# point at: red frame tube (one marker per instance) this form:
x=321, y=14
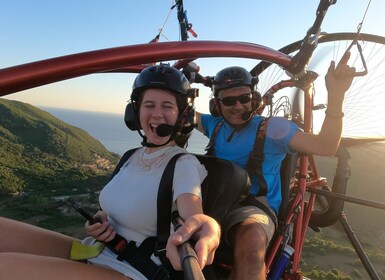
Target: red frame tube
x=117, y=59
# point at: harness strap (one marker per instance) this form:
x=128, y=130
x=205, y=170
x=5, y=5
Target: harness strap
x=140, y=258
x=164, y=205
x=257, y=156
x=210, y=146
x=122, y=161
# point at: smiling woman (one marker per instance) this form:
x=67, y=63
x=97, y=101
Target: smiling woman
x=157, y=107
x=115, y=234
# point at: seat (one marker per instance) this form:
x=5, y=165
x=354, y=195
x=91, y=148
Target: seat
x=225, y=185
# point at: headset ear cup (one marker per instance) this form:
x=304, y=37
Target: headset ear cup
x=215, y=107
x=130, y=117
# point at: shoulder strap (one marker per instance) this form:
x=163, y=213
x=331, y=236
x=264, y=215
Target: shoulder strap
x=164, y=201
x=164, y=207
x=210, y=145
x=122, y=161
x=257, y=156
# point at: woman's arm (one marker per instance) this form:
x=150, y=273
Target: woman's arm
x=188, y=205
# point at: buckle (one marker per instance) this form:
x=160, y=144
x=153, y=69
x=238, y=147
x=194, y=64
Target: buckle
x=126, y=251
x=158, y=249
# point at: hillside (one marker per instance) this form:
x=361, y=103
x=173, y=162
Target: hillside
x=41, y=153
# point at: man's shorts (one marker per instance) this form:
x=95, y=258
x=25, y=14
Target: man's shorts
x=252, y=208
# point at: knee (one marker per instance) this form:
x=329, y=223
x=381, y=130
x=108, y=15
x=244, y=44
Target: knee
x=251, y=234
x=4, y=223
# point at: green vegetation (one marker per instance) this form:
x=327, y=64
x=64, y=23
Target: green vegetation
x=330, y=275
x=40, y=153
x=43, y=162
x=325, y=259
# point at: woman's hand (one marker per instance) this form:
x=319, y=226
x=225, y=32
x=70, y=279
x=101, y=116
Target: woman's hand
x=101, y=230
x=204, y=230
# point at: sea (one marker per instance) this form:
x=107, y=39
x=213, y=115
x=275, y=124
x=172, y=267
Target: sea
x=112, y=132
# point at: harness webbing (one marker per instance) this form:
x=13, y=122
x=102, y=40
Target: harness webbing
x=164, y=205
x=210, y=146
x=122, y=161
x=257, y=156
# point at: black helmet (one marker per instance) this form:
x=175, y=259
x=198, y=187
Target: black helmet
x=160, y=76
x=164, y=77
x=233, y=77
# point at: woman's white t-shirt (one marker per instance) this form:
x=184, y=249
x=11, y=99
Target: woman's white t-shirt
x=130, y=198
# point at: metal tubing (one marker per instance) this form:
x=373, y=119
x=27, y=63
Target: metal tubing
x=373, y=204
x=358, y=248
x=43, y=72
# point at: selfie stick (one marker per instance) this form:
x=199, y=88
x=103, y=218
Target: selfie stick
x=188, y=257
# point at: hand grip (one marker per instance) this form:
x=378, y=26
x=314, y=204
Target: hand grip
x=189, y=261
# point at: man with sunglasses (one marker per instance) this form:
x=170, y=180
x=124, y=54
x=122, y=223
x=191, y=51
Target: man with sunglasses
x=232, y=127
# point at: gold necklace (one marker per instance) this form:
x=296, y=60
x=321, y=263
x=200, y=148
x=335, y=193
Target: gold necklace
x=144, y=165
x=147, y=166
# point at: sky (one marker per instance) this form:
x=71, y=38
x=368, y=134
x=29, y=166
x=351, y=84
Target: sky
x=41, y=29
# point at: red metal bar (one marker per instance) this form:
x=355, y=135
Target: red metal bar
x=303, y=217
x=39, y=73
x=298, y=223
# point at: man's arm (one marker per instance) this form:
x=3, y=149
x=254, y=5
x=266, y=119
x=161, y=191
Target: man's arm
x=338, y=80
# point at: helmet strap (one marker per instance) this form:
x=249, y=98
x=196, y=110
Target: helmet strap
x=152, y=145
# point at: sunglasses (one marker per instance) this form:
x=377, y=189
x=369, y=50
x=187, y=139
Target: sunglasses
x=232, y=100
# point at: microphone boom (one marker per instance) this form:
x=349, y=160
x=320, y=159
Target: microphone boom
x=164, y=130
